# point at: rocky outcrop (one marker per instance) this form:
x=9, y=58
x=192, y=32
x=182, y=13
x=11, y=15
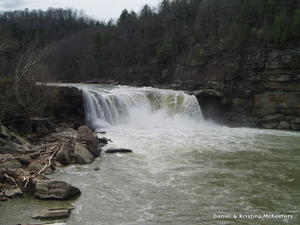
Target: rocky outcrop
x=68, y=106
x=52, y=189
x=83, y=150
x=255, y=87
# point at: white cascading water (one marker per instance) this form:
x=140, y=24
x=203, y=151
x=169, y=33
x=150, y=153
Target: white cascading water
x=124, y=104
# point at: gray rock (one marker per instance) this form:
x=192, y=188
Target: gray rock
x=82, y=155
x=8, y=147
x=296, y=120
x=64, y=155
x=271, y=125
x=20, y=141
x=295, y=126
x=269, y=102
x=11, y=164
x=10, y=193
x=90, y=139
x=52, y=189
x=207, y=92
x=85, y=134
x=58, y=213
x=4, y=132
x=274, y=117
x=283, y=125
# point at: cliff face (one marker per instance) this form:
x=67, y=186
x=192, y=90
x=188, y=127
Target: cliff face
x=68, y=105
x=257, y=87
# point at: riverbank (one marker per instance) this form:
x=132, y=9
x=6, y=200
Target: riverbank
x=24, y=166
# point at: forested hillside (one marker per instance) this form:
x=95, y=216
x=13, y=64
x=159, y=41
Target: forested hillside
x=152, y=44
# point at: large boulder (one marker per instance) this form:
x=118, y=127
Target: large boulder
x=89, y=138
x=86, y=134
x=53, y=189
x=82, y=155
x=64, y=155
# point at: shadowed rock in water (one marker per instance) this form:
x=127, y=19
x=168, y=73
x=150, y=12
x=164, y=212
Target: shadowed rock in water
x=119, y=150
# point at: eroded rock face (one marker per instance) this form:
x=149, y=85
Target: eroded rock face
x=52, y=189
x=259, y=87
x=68, y=105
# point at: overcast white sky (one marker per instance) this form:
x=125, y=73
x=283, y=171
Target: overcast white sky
x=99, y=9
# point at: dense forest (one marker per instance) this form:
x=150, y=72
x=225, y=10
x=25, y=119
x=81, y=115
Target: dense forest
x=151, y=46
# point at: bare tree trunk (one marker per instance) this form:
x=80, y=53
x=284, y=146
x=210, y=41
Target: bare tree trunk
x=27, y=61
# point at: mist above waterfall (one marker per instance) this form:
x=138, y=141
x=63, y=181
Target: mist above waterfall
x=139, y=106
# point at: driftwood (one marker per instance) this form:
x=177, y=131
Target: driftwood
x=21, y=178
x=49, y=161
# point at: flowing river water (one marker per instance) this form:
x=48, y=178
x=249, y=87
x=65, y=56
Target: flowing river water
x=184, y=170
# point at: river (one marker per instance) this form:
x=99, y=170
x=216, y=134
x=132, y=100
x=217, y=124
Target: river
x=184, y=170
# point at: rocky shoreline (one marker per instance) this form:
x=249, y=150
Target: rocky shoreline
x=24, y=166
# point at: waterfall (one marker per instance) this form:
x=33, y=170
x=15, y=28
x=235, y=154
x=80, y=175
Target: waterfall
x=105, y=108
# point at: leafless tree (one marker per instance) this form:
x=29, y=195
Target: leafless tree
x=23, y=85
